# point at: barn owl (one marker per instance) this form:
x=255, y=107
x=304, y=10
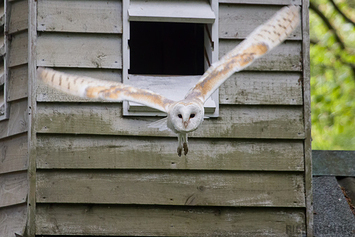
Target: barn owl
x=186, y=115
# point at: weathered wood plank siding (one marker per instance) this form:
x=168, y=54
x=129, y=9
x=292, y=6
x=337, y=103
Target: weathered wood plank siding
x=14, y=153
x=234, y=121
x=85, y=50
x=14, y=149
x=263, y=2
x=18, y=119
x=13, y=131
x=80, y=16
x=237, y=21
x=13, y=220
x=18, y=51
x=18, y=83
x=13, y=187
x=165, y=220
x=274, y=88
x=99, y=173
x=18, y=16
x=203, y=188
x=131, y=152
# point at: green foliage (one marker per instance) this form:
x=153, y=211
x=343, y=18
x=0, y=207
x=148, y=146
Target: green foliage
x=333, y=75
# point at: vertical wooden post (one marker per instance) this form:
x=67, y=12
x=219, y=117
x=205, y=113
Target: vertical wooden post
x=32, y=66
x=307, y=117
x=125, y=48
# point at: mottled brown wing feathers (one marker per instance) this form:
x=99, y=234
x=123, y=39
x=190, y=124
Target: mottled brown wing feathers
x=91, y=88
x=258, y=43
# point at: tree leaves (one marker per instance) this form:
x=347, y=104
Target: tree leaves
x=332, y=74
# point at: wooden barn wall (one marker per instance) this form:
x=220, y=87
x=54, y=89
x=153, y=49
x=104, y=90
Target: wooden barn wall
x=99, y=173
x=13, y=131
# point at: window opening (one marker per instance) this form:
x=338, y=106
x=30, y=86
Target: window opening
x=166, y=48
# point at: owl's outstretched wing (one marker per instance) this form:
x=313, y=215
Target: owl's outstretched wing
x=91, y=88
x=259, y=42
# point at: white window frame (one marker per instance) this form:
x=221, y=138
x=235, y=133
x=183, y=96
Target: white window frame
x=170, y=11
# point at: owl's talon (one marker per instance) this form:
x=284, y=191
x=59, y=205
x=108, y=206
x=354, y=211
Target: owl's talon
x=186, y=149
x=179, y=150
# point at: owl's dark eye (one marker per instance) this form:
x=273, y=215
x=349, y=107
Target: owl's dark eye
x=192, y=115
x=179, y=115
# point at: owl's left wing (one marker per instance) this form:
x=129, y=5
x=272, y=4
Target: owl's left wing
x=259, y=42
x=91, y=88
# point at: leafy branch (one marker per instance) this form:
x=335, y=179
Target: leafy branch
x=342, y=13
x=337, y=56
x=338, y=39
x=332, y=74
x=315, y=9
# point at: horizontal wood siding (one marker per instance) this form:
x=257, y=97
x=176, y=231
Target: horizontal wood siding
x=18, y=83
x=18, y=49
x=117, y=152
x=164, y=221
x=79, y=50
x=272, y=88
x=237, y=21
x=13, y=220
x=14, y=153
x=234, y=121
x=80, y=16
x=263, y=2
x=18, y=119
x=13, y=130
x=13, y=188
x=203, y=188
x=18, y=20
x=99, y=173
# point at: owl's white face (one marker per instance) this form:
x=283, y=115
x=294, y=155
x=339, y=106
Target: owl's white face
x=185, y=116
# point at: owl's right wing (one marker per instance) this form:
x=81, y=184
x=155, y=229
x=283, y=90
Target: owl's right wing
x=259, y=42
x=91, y=88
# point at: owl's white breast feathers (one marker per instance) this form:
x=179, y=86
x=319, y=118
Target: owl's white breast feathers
x=258, y=43
x=91, y=88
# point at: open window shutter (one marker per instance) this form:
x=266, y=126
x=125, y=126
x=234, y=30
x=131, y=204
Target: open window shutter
x=171, y=11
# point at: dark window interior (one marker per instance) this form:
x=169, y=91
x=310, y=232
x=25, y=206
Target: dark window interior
x=165, y=48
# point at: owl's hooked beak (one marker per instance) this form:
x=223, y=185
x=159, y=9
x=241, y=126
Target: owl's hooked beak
x=186, y=123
